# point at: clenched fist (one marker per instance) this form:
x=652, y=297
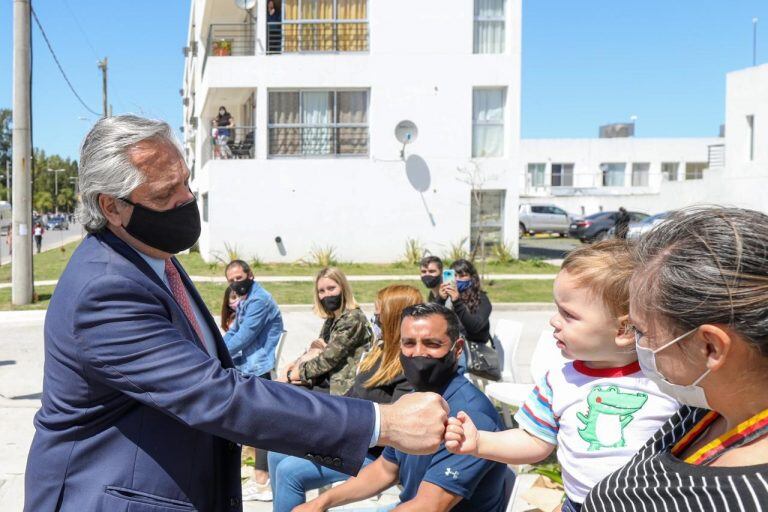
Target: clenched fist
x=461, y=435
x=415, y=423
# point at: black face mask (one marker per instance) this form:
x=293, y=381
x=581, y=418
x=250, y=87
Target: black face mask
x=431, y=281
x=429, y=373
x=170, y=231
x=331, y=303
x=242, y=287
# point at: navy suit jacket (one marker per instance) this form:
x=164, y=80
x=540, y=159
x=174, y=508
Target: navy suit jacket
x=137, y=417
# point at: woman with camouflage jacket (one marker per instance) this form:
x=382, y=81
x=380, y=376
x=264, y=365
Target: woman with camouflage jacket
x=331, y=361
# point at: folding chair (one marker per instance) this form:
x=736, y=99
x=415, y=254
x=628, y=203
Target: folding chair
x=278, y=354
x=513, y=394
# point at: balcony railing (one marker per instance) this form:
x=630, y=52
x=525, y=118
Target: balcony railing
x=317, y=36
x=230, y=39
x=716, y=155
x=231, y=143
x=301, y=140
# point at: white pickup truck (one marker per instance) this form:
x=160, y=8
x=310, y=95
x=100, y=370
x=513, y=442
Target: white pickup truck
x=543, y=218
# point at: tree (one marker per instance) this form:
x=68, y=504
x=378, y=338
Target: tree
x=476, y=177
x=5, y=136
x=43, y=201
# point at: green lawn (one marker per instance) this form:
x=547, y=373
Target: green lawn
x=195, y=265
x=301, y=293
x=50, y=264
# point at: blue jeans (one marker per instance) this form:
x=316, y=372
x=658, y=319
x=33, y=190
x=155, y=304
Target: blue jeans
x=571, y=506
x=291, y=477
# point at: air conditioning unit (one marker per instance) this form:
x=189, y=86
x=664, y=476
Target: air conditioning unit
x=185, y=51
x=193, y=46
x=186, y=102
x=193, y=122
x=617, y=130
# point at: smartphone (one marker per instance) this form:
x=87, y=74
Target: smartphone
x=449, y=276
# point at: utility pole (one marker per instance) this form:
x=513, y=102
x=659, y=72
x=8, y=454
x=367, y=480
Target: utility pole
x=21, y=271
x=103, y=68
x=56, y=187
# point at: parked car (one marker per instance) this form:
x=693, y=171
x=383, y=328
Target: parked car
x=57, y=222
x=543, y=218
x=596, y=226
x=638, y=229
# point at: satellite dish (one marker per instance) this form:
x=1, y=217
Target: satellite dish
x=246, y=5
x=406, y=132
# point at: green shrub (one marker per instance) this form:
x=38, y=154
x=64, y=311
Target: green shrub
x=413, y=251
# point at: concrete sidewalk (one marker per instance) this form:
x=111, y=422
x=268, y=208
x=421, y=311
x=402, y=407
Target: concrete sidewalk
x=21, y=375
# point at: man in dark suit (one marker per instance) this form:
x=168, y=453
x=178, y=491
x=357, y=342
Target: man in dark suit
x=142, y=409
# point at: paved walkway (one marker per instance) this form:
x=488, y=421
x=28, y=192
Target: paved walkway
x=21, y=372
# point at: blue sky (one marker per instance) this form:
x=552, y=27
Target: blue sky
x=585, y=63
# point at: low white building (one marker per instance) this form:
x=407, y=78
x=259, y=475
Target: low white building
x=313, y=161
x=584, y=176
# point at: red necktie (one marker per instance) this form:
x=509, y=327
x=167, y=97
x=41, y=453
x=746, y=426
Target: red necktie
x=180, y=294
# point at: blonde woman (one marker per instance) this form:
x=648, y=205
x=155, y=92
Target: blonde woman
x=380, y=379
x=330, y=363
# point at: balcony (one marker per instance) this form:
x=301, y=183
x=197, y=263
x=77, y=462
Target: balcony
x=322, y=140
x=715, y=155
x=230, y=40
x=231, y=143
x=317, y=36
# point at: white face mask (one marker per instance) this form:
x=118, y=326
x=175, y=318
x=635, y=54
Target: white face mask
x=692, y=395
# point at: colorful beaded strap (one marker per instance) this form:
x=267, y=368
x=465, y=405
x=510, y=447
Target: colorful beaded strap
x=744, y=433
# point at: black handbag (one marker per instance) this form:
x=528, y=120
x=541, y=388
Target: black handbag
x=483, y=360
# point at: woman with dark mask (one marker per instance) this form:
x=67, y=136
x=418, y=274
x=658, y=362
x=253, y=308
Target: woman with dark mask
x=331, y=360
x=470, y=302
x=228, y=308
x=380, y=379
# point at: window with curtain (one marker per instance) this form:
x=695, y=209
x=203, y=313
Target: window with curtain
x=613, y=174
x=669, y=171
x=695, y=170
x=488, y=122
x=325, y=26
x=318, y=123
x=536, y=174
x=487, y=213
x=640, y=171
x=562, y=175
x=489, y=26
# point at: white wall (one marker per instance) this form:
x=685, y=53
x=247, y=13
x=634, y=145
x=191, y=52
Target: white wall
x=420, y=67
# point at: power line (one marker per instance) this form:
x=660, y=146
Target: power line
x=82, y=31
x=61, y=69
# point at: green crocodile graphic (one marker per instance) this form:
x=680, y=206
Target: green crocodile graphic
x=609, y=412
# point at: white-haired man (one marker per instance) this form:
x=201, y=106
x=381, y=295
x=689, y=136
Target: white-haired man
x=141, y=405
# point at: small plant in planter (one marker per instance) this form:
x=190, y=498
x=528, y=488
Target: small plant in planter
x=222, y=48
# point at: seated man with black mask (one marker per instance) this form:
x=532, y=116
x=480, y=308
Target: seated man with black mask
x=429, y=350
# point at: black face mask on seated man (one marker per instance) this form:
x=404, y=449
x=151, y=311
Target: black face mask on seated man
x=429, y=373
x=242, y=288
x=431, y=281
x=170, y=231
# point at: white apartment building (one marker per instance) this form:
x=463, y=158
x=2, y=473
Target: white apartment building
x=316, y=92
x=584, y=176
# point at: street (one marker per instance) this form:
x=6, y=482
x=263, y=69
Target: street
x=51, y=240
x=546, y=247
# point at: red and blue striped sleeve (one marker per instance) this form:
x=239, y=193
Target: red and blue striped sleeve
x=536, y=415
